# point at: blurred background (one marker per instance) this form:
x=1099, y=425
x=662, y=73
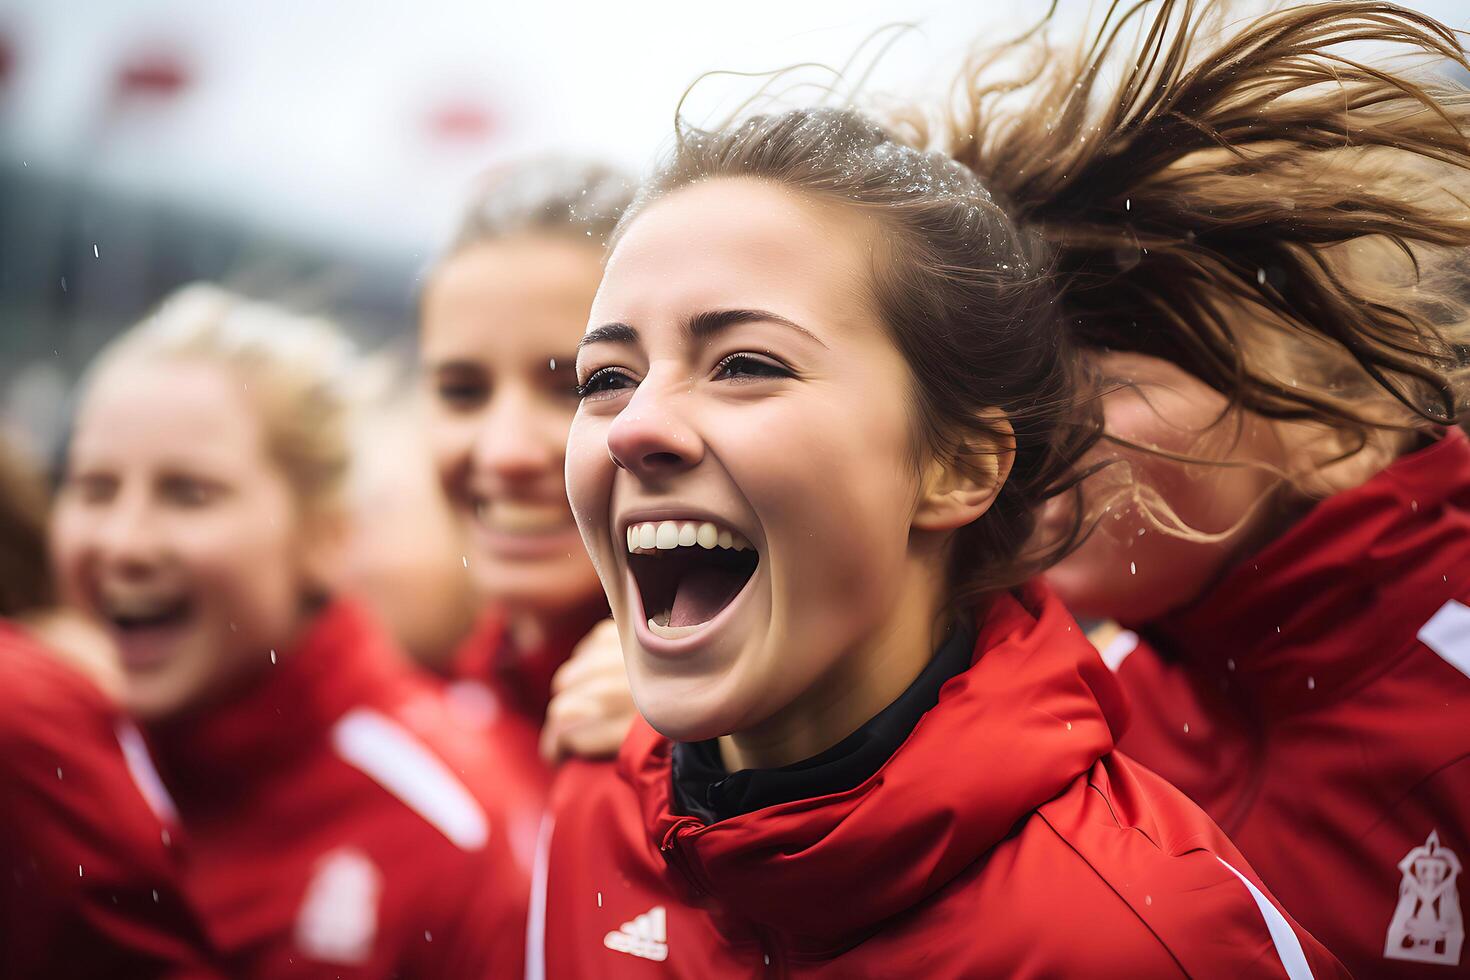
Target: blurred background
x=315, y=153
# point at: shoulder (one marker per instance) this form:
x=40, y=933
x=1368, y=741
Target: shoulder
x=1168, y=864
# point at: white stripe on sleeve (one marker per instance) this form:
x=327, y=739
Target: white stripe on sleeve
x=1288, y=947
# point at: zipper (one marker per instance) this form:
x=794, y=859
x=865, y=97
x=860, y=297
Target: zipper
x=674, y=854
x=773, y=964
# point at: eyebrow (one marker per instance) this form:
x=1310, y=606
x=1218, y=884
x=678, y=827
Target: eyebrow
x=701, y=326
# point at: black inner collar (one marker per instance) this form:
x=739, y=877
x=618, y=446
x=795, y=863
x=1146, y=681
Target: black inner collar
x=704, y=789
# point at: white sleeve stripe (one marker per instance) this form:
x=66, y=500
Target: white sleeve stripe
x=536, y=919
x=1288, y=947
x=392, y=757
x=145, y=776
x=1448, y=634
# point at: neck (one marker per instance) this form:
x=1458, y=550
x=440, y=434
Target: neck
x=530, y=630
x=862, y=682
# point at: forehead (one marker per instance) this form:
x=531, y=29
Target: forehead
x=143, y=409
x=738, y=243
x=532, y=289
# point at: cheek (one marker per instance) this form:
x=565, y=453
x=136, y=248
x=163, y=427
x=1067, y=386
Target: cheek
x=249, y=566
x=827, y=468
x=70, y=544
x=589, y=474
x=451, y=439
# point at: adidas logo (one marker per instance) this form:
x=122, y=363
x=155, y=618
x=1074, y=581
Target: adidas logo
x=646, y=936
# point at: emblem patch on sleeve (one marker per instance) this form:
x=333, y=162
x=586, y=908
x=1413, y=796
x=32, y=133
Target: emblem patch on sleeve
x=1427, y=925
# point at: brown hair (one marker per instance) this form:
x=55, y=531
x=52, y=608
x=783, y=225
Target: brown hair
x=25, y=570
x=544, y=195
x=1206, y=210
x=1275, y=216
x=964, y=289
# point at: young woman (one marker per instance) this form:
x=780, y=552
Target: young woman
x=502, y=313
x=90, y=880
x=339, y=824
x=826, y=386
x=1288, y=528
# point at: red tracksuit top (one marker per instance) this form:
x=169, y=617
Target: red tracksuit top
x=1005, y=838
x=341, y=825
x=90, y=885
x=504, y=693
x=1317, y=705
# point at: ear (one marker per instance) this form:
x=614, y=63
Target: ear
x=960, y=488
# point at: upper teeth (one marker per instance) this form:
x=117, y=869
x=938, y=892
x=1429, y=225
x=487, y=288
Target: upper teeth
x=137, y=606
x=668, y=535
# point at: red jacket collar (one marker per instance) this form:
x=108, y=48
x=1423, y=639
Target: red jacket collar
x=1328, y=606
x=216, y=751
x=1037, y=709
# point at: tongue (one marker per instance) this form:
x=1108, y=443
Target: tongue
x=703, y=591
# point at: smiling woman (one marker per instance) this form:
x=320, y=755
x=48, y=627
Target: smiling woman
x=335, y=816
x=827, y=385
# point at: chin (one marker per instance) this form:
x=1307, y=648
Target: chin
x=157, y=699
x=538, y=588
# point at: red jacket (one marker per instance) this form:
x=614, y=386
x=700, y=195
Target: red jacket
x=340, y=824
x=90, y=885
x=504, y=693
x=1004, y=838
x=1317, y=705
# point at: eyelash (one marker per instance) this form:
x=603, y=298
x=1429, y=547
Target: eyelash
x=754, y=368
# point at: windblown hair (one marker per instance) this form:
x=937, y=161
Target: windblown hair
x=25, y=569
x=1257, y=204
x=1253, y=205
x=302, y=373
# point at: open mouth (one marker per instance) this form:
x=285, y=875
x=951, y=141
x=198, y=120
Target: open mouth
x=136, y=616
x=687, y=572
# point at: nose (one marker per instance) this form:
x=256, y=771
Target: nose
x=651, y=437
x=518, y=439
x=128, y=541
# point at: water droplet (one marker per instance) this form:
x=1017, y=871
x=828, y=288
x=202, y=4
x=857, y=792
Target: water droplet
x=465, y=559
x=155, y=895
x=551, y=364
x=79, y=871
x=1148, y=900
x=1132, y=568
x=1260, y=277
x=95, y=253
x=1311, y=683
x=1186, y=728
x=273, y=656
x=599, y=899
x=1414, y=505
x=1128, y=204
x=58, y=772
x=167, y=838
x=1230, y=664
x=1069, y=726
x=428, y=936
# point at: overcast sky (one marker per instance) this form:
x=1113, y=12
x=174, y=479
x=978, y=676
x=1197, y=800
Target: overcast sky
x=365, y=118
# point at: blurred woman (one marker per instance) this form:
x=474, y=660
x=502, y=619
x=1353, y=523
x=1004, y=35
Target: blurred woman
x=1288, y=525
x=339, y=823
x=826, y=387
x=501, y=315
x=90, y=881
